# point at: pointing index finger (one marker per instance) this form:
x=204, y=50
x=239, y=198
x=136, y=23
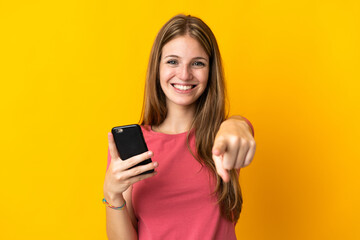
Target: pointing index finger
x=220, y=169
x=112, y=147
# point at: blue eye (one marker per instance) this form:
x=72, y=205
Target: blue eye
x=199, y=64
x=172, y=62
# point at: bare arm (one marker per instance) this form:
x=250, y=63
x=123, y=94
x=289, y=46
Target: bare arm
x=118, y=223
x=121, y=224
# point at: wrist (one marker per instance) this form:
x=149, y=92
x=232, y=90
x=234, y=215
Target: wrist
x=246, y=122
x=112, y=206
x=115, y=200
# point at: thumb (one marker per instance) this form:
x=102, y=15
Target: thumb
x=219, y=147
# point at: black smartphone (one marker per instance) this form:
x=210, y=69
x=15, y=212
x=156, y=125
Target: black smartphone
x=129, y=141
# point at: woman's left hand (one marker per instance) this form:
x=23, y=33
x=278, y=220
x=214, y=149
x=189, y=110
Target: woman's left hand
x=234, y=146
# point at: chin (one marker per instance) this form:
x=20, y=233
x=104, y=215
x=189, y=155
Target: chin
x=183, y=103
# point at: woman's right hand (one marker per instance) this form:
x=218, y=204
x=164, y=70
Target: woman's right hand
x=119, y=177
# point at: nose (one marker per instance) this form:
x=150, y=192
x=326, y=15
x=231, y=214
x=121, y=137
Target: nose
x=184, y=73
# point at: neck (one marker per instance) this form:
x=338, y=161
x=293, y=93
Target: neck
x=178, y=119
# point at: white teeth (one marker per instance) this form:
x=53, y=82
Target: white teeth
x=182, y=87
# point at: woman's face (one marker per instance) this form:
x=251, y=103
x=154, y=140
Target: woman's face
x=184, y=71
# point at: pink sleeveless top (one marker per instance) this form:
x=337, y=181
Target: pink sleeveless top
x=177, y=203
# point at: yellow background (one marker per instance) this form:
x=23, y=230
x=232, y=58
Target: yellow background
x=71, y=70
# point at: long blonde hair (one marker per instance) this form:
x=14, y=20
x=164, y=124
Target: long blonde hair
x=210, y=107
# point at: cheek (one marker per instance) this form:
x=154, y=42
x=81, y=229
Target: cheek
x=166, y=74
x=203, y=77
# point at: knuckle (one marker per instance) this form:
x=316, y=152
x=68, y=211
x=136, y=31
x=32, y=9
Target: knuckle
x=140, y=158
x=149, y=166
x=137, y=171
x=142, y=169
x=128, y=163
x=119, y=177
x=243, y=142
x=234, y=139
x=136, y=159
x=114, y=171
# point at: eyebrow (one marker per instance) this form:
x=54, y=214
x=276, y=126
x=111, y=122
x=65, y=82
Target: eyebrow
x=175, y=56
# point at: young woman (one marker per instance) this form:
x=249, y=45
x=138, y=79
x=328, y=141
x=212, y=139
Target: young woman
x=197, y=153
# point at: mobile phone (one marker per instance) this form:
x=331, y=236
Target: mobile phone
x=129, y=141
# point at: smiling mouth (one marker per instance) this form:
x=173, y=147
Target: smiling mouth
x=183, y=87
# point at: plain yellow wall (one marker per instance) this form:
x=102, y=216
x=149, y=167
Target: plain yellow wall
x=71, y=70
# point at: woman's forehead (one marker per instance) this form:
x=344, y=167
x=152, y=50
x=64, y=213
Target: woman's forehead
x=184, y=47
